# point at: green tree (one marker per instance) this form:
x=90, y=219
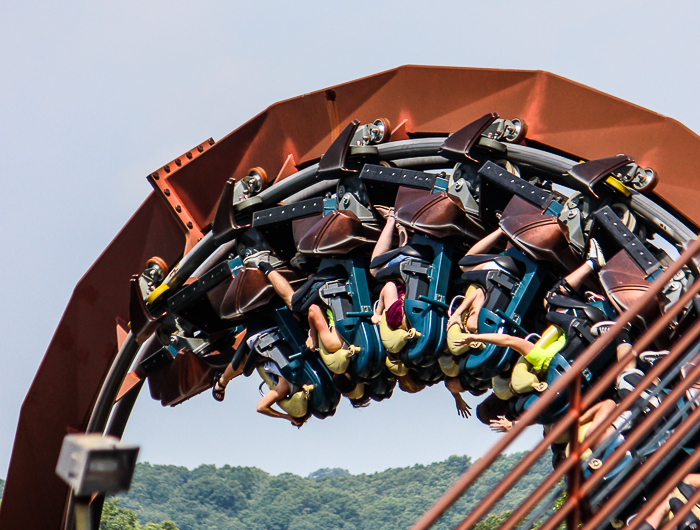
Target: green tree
x=116, y=518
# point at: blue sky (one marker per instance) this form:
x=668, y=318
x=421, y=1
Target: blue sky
x=93, y=97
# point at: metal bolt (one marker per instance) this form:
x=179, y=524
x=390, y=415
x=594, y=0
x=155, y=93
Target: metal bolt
x=167, y=192
x=211, y=141
x=178, y=163
x=189, y=155
x=178, y=208
x=189, y=224
x=166, y=168
x=200, y=148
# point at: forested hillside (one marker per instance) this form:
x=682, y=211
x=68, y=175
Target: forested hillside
x=244, y=498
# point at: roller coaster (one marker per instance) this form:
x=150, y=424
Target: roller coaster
x=535, y=266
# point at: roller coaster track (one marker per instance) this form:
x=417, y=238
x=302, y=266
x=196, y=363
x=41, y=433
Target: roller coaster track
x=301, y=146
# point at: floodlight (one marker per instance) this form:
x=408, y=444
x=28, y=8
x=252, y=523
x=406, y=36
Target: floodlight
x=93, y=463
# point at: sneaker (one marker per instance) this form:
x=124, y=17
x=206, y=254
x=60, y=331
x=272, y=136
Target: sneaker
x=595, y=255
x=601, y=328
x=255, y=258
x=653, y=356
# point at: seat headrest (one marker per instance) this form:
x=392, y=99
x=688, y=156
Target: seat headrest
x=507, y=263
x=424, y=252
x=567, y=302
x=389, y=273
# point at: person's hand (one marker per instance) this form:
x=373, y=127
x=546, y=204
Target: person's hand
x=376, y=319
x=455, y=319
x=310, y=343
x=467, y=339
x=501, y=424
x=463, y=408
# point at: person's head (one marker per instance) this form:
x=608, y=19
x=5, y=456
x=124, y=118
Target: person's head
x=299, y=422
x=453, y=385
x=344, y=383
x=491, y=408
x=361, y=402
x=408, y=384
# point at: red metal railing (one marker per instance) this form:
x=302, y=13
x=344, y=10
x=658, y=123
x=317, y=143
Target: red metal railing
x=578, y=490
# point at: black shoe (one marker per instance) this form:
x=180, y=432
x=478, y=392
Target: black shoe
x=689, y=522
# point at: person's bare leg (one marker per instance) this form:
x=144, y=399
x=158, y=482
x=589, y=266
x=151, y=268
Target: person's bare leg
x=693, y=479
x=473, y=318
x=594, y=262
x=319, y=328
x=596, y=415
x=273, y=396
x=383, y=244
x=281, y=287
x=576, y=278
x=655, y=517
x=622, y=350
x=388, y=295
x=229, y=374
x=485, y=243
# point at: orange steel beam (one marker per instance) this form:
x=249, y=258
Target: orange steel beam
x=571, y=419
x=685, y=510
x=657, y=370
x=640, y=431
x=560, y=113
x=468, y=478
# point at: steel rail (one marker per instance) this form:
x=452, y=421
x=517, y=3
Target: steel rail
x=643, y=470
x=570, y=419
x=611, y=461
x=468, y=478
x=634, y=437
x=687, y=507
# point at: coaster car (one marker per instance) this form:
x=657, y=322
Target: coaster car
x=284, y=345
x=547, y=205
x=510, y=286
x=424, y=264
x=576, y=326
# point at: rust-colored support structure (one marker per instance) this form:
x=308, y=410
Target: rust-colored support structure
x=560, y=113
x=470, y=476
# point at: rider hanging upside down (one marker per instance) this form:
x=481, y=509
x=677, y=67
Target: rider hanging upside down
x=288, y=396
x=323, y=335
x=389, y=311
x=291, y=398
x=535, y=358
x=466, y=316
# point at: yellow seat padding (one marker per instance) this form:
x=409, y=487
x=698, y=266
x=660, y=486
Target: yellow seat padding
x=552, y=341
x=582, y=430
x=523, y=378
x=357, y=392
x=448, y=366
x=337, y=361
x=395, y=340
x=501, y=387
x=455, y=334
x=396, y=367
x=296, y=405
